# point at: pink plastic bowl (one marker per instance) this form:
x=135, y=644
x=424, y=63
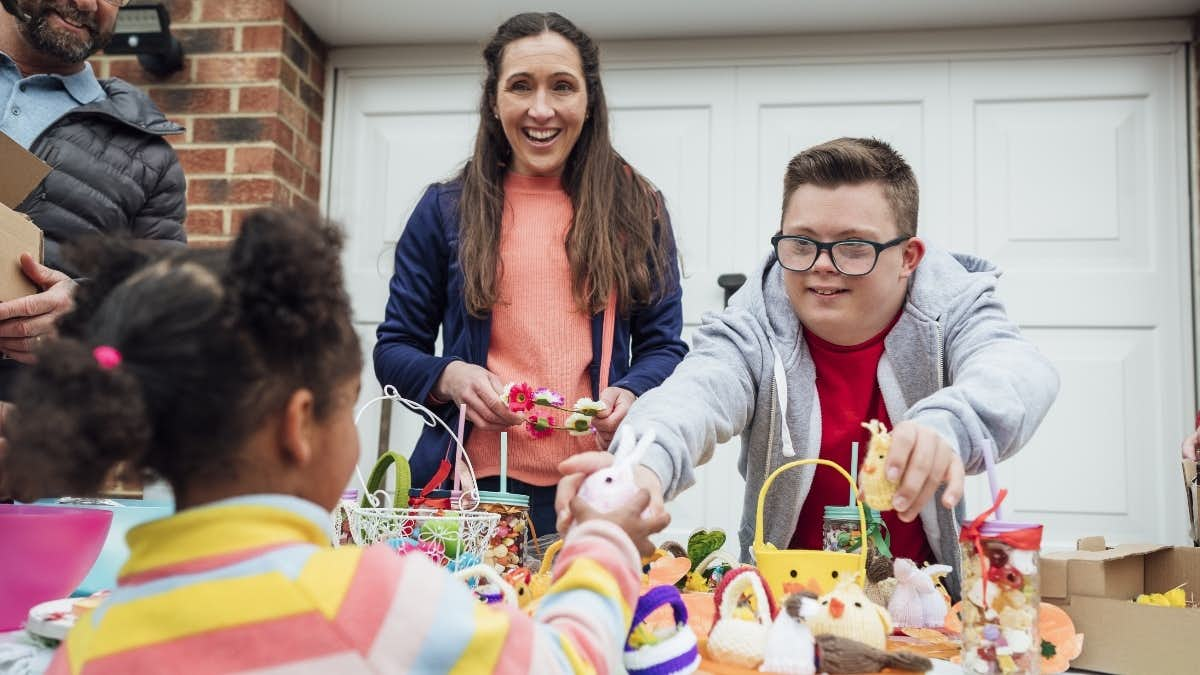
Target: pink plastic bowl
x=45, y=551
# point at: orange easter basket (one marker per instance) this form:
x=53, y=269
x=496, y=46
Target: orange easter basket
x=790, y=570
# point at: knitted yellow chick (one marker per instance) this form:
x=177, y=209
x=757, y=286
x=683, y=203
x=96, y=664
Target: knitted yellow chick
x=877, y=488
x=846, y=612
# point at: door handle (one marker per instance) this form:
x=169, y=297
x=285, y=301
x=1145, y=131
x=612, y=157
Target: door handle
x=731, y=283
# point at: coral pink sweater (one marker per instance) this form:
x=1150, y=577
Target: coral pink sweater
x=539, y=335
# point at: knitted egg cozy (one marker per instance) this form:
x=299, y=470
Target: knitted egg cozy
x=676, y=654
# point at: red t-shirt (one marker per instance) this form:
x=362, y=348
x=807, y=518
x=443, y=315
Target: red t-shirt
x=848, y=390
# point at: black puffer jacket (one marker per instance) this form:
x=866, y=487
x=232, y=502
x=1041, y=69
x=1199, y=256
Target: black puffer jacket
x=114, y=173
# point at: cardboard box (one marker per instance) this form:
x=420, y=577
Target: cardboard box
x=1097, y=584
x=20, y=173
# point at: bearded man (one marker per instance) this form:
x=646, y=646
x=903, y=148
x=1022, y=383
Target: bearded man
x=113, y=172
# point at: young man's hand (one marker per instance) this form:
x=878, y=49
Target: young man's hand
x=628, y=517
x=577, y=468
x=922, y=461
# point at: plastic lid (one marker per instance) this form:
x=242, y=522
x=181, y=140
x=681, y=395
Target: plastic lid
x=994, y=527
x=505, y=498
x=851, y=513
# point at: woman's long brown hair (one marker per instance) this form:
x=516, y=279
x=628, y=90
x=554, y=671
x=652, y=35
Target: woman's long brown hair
x=618, y=238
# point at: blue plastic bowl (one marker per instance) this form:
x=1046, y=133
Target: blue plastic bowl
x=130, y=513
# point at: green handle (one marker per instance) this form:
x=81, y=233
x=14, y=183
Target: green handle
x=403, y=479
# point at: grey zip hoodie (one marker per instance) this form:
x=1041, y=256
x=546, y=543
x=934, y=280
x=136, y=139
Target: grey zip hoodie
x=953, y=362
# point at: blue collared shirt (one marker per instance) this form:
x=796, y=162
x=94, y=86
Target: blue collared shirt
x=33, y=103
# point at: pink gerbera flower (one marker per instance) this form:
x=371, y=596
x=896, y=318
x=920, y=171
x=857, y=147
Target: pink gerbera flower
x=540, y=426
x=519, y=397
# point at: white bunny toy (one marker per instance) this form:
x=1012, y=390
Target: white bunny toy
x=609, y=488
x=917, y=603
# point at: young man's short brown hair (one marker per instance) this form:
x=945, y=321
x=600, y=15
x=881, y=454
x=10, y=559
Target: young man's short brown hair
x=858, y=160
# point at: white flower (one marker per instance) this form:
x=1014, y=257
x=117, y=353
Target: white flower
x=545, y=396
x=506, y=390
x=586, y=406
x=579, y=424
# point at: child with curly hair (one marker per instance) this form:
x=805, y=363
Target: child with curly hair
x=233, y=375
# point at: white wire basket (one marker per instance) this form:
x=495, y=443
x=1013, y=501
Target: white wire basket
x=457, y=537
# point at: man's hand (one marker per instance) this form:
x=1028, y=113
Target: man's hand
x=26, y=322
x=922, y=461
x=577, y=468
x=480, y=389
x=617, y=402
x=1189, y=449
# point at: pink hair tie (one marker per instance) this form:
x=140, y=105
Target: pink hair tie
x=107, y=357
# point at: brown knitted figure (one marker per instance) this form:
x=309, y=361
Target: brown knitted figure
x=880, y=582
x=843, y=656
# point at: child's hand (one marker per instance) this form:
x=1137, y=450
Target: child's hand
x=577, y=468
x=628, y=518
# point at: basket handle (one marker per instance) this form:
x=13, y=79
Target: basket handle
x=375, y=482
x=762, y=500
x=746, y=581
x=657, y=597
x=430, y=419
x=548, y=557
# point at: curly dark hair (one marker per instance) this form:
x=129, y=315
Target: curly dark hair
x=212, y=342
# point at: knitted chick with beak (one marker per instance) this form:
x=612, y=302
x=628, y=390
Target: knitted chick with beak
x=877, y=488
x=846, y=612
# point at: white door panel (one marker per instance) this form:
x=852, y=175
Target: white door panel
x=783, y=110
x=1064, y=175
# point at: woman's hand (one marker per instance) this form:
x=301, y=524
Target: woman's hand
x=1189, y=449
x=481, y=391
x=617, y=402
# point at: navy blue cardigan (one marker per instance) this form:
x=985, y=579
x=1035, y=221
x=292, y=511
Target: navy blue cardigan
x=426, y=293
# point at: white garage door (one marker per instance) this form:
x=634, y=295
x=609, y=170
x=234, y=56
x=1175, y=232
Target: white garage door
x=1069, y=171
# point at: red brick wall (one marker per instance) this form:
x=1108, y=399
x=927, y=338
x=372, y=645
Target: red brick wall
x=251, y=94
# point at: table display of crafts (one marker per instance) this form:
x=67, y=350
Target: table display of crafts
x=795, y=615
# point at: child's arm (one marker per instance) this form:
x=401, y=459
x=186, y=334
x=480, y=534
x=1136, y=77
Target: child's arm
x=428, y=622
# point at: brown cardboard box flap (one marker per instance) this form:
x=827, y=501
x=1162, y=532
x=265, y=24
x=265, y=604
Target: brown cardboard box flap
x=20, y=172
x=1131, y=639
x=1117, y=572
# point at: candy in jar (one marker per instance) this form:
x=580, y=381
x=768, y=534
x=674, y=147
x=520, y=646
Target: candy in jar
x=1001, y=594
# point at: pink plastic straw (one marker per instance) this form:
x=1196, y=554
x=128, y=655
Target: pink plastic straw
x=989, y=460
x=458, y=451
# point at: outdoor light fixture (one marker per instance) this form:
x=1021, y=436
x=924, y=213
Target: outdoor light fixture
x=145, y=29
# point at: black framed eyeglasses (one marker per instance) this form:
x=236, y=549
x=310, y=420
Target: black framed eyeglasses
x=852, y=257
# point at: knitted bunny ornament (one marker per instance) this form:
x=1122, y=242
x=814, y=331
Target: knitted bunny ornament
x=607, y=489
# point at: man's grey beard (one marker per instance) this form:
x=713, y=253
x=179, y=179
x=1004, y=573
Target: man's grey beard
x=59, y=43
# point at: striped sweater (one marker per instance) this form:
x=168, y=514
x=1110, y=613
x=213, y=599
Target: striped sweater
x=251, y=584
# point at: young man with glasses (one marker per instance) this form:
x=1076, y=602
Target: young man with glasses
x=114, y=172
x=852, y=318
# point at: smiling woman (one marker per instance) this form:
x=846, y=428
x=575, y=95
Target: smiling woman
x=547, y=259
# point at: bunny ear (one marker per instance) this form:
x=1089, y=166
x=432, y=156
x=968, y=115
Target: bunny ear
x=627, y=442
x=643, y=444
